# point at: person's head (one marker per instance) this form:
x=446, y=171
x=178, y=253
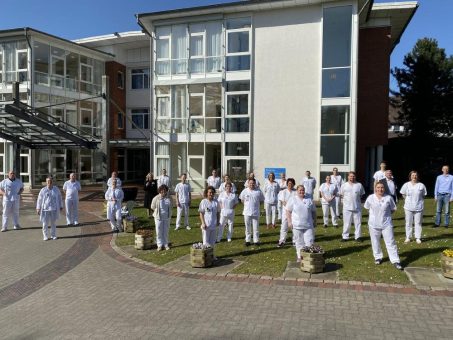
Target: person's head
x=327, y=179
x=214, y=173
x=413, y=176
x=150, y=176
x=290, y=183
x=351, y=176
x=163, y=190
x=251, y=175
x=209, y=193
x=114, y=174
x=228, y=187
x=271, y=176
x=183, y=177
x=389, y=174
x=335, y=171
x=445, y=169
x=307, y=173
x=300, y=191
x=383, y=165
x=49, y=181
x=72, y=177
x=226, y=178
x=379, y=189
x=252, y=183
x=283, y=176
x=11, y=175
x=164, y=172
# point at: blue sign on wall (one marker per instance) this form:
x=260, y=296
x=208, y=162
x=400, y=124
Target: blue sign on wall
x=276, y=171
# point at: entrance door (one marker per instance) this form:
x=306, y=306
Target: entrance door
x=25, y=165
x=196, y=175
x=58, y=167
x=236, y=168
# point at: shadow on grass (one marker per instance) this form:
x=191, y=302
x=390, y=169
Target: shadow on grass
x=415, y=254
x=339, y=252
x=332, y=267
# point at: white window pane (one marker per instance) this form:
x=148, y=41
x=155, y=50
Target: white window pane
x=163, y=49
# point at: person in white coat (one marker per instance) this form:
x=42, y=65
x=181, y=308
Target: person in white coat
x=71, y=189
x=309, y=184
x=163, y=179
x=301, y=215
x=336, y=179
x=381, y=208
x=114, y=178
x=380, y=174
x=283, y=197
x=209, y=216
x=11, y=188
x=114, y=197
x=283, y=186
x=251, y=197
x=214, y=180
x=252, y=176
x=328, y=192
x=48, y=207
x=351, y=192
x=414, y=194
x=226, y=180
x=161, y=205
x=227, y=201
x=183, y=198
x=271, y=190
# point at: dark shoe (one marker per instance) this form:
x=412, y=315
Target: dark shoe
x=247, y=244
x=378, y=261
x=446, y=227
x=343, y=240
x=398, y=266
x=436, y=226
x=325, y=225
x=257, y=244
x=359, y=240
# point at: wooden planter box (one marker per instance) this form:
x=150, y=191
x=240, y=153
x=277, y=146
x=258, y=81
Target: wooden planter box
x=201, y=258
x=130, y=226
x=312, y=262
x=143, y=242
x=447, y=266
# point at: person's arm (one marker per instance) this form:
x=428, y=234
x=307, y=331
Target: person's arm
x=436, y=186
x=313, y=213
x=177, y=196
x=39, y=201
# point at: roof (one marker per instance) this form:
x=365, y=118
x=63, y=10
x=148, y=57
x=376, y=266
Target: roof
x=130, y=37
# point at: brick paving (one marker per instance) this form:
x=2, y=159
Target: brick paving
x=94, y=292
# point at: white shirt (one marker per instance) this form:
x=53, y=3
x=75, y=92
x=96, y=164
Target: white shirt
x=378, y=175
x=183, y=190
x=309, y=185
x=251, y=200
x=161, y=180
x=302, y=211
x=116, y=194
x=72, y=190
x=209, y=210
x=413, y=196
x=380, y=216
x=214, y=182
x=328, y=190
x=351, y=195
x=271, y=192
x=164, y=209
x=285, y=195
x=222, y=187
x=282, y=184
x=227, y=202
x=49, y=199
x=11, y=189
x=118, y=182
x=338, y=181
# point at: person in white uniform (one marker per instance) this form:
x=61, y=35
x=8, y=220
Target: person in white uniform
x=114, y=197
x=414, y=194
x=309, y=184
x=71, y=189
x=214, y=180
x=252, y=176
x=351, y=192
x=163, y=179
x=336, y=179
x=114, y=178
x=11, y=188
x=227, y=202
x=301, y=215
x=183, y=198
x=328, y=192
x=209, y=216
x=381, y=208
x=251, y=197
x=283, y=197
x=380, y=174
x=271, y=190
x=282, y=185
x=390, y=185
x=161, y=205
x=226, y=179
x=48, y=207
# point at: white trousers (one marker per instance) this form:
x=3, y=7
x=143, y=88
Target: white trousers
x=49, y=218
x=252, y=222
x=224, y=220
x=337, y=204
x=348, y=216
x=10, y=209
x=279, y=210
x=304, y=238
x=416, y=218
x=333, y=213
x=209, y=236
x=72, y=211
x=114, y=216
x=184, y=208
x=284, y=229
x=390, y=244
x=162, y=227
x=271, y=210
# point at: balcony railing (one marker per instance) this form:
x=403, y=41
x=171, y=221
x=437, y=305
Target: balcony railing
x=198, y=65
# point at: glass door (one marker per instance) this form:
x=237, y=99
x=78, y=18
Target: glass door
x=237, y=168
x=58, y=167
x=196, y=176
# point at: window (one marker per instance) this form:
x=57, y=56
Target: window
x=41, y=54
x=335, y=134
x=120, y=80
x=237, y=149
x=237, y=106
x=140, y=118
x=163, y=50
x=22, y=64
x=1, y=67
x=120, y=121
x=238, y=44
x=140, y=78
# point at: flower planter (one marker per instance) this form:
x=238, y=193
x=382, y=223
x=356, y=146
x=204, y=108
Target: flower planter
x=201, y=258
x=143, y=240
x=312, y=262
x=447, y=266
x=129, y=226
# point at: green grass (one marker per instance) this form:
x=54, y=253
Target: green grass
x=354, y=260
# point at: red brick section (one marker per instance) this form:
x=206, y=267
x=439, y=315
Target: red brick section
x=372, y=92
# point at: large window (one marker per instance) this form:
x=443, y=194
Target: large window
x=237, y=106
x=1, y=66
x=335, y=134
x=140, y=118
x=237, y=149
x=22, y=64
x=140, y=78
x=238, y=44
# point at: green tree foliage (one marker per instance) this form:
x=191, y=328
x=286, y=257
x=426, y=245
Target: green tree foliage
x=425, y=96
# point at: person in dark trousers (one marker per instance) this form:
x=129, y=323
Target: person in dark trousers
x=150, y=189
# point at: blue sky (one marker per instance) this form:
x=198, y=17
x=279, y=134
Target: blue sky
x=84, y=18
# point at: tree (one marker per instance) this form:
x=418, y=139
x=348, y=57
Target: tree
x=425, y=96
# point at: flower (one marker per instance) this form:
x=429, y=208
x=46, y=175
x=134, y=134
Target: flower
x=200, y=245
x=448, y=252
x=144, y=232
x=313, y=249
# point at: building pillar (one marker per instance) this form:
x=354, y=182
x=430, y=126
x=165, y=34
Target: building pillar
x=105, y=149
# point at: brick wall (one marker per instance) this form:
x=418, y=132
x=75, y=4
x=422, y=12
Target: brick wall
x=112, y=68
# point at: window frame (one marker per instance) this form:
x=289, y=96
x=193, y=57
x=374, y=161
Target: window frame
x=120, y=80
x=142, y=114
x=146, y=84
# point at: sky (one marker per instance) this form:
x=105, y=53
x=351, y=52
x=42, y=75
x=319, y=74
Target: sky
x=86, y=18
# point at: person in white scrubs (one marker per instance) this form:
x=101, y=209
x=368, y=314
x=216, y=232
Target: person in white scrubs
x=161, y=205
x=214, y=180
x=351, y=192
x=328, y=192
x=183, y=198
x=227, y=179
x=414, y=194
x=251, y=197
x=71, y=189
x=11, y=188
x=336, y=179
x=380, y=174
x=283, y=197
x=209, y=216
x=381, y=208
x=301, y=215
x=252, y=176
x=163, y=179
x=282, y=184
x=271, y=190
x=309, y=184
x=227, y=202
x=114, y=197
x=114, y=178
x=48, y=207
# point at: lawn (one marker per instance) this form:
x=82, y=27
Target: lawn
x=354, y=260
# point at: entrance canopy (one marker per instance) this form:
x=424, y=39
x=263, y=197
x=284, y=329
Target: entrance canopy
x=20, y=124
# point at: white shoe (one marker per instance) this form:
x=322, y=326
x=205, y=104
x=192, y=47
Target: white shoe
x=76, y=223
x=45, y=238
x=177, y=228
x=4, y=229
x=229, y=240
x=407, y=240
x=159, y=248
x=418, y=241
x=188, y=228
x=167, y=248
x=54, y=238
x=17, y=227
